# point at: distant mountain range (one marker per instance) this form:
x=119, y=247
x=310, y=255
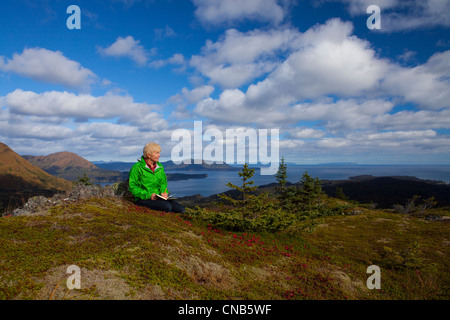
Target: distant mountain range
x=71, y=166
x=19, y=179
x=388, y=191
x=168, y=166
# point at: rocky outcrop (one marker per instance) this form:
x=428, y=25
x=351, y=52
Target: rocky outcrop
x=41, y=204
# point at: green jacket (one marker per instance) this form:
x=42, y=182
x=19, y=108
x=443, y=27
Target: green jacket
x=143, y=182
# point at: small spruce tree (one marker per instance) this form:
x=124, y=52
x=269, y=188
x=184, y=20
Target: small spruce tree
x=281, y=175
x=310, y=186
x=340, y=194
x=310, y=193
x=246, y=173
x=84, y=180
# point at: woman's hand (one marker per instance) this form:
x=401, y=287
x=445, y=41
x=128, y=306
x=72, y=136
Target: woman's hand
x=165, y=194
x=153, y=196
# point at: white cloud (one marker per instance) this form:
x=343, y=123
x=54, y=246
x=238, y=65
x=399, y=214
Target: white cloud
x=194, y=95
x=239, y=57
x=425, y=84
x=397, y=136
x=167, y=32
x=408, y=15
x=333, y=143
x=217, y=12
x=439, y=64
x=306, y=133
x=104, y=130
x=413, y=120
x=28, y=127
x=127, y=47
x=83, y=107
x=385, y=147
x=330, y=62
x=34, y=130
x=49, y=66
x=357, y=7
x=411, y=141
x=231, y=107
x=335, y=78
x=177, y=60
x=417, y=14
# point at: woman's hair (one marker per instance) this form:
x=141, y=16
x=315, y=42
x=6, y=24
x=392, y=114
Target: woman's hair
x=150, y=148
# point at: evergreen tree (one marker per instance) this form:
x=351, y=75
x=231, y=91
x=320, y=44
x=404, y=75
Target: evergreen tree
x=245, y=189
x=310, y=186
x=281, y=175
x=310, y=193
x=340, y=194
x=84, y=180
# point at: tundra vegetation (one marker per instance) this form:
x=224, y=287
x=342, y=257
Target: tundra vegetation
x=293, y=243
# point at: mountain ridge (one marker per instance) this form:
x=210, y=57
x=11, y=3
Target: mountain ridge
x=60, y=159
x=71, y=166
x=20, y=179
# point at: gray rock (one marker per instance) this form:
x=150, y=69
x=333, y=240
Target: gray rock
x=78, y=192
x=20, y=212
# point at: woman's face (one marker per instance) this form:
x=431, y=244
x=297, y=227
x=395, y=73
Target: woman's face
x=154, y=156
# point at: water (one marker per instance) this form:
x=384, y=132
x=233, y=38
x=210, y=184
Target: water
x=217, y=180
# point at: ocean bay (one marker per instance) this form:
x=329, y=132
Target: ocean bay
x=216, y=181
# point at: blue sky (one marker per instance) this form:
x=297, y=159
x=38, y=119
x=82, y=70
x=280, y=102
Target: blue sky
x=138, y=70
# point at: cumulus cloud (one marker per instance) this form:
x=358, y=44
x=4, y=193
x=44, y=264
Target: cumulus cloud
x=49, y=66
x=239, y=57
x=104, y=130
x=83, y=107
x=410, y=141
x=127, y=47
x=177, y=59
x=329, y=62
x=408, y=15
x=417, y=14
x=357, y=7
x=332, y=95
x=418, y=85
x=384, y=147
x=217, y=12
x=413, y=120
x=306, y=133
x=34, y=130
x=396, y=135
x=49, y=122
x=193, y=96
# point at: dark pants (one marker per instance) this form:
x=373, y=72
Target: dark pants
x=161, y=205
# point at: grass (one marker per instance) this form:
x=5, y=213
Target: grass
x=129, y=252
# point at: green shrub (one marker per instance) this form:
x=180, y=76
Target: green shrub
x=85, y=180
x=293, y=207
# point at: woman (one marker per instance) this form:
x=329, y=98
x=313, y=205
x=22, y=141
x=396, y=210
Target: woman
x=148, y=179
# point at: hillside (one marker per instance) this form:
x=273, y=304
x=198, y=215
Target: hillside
x=53, y=162
x=20, y=179
x=386, y=192
x=71, y=166
x=145, y=254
